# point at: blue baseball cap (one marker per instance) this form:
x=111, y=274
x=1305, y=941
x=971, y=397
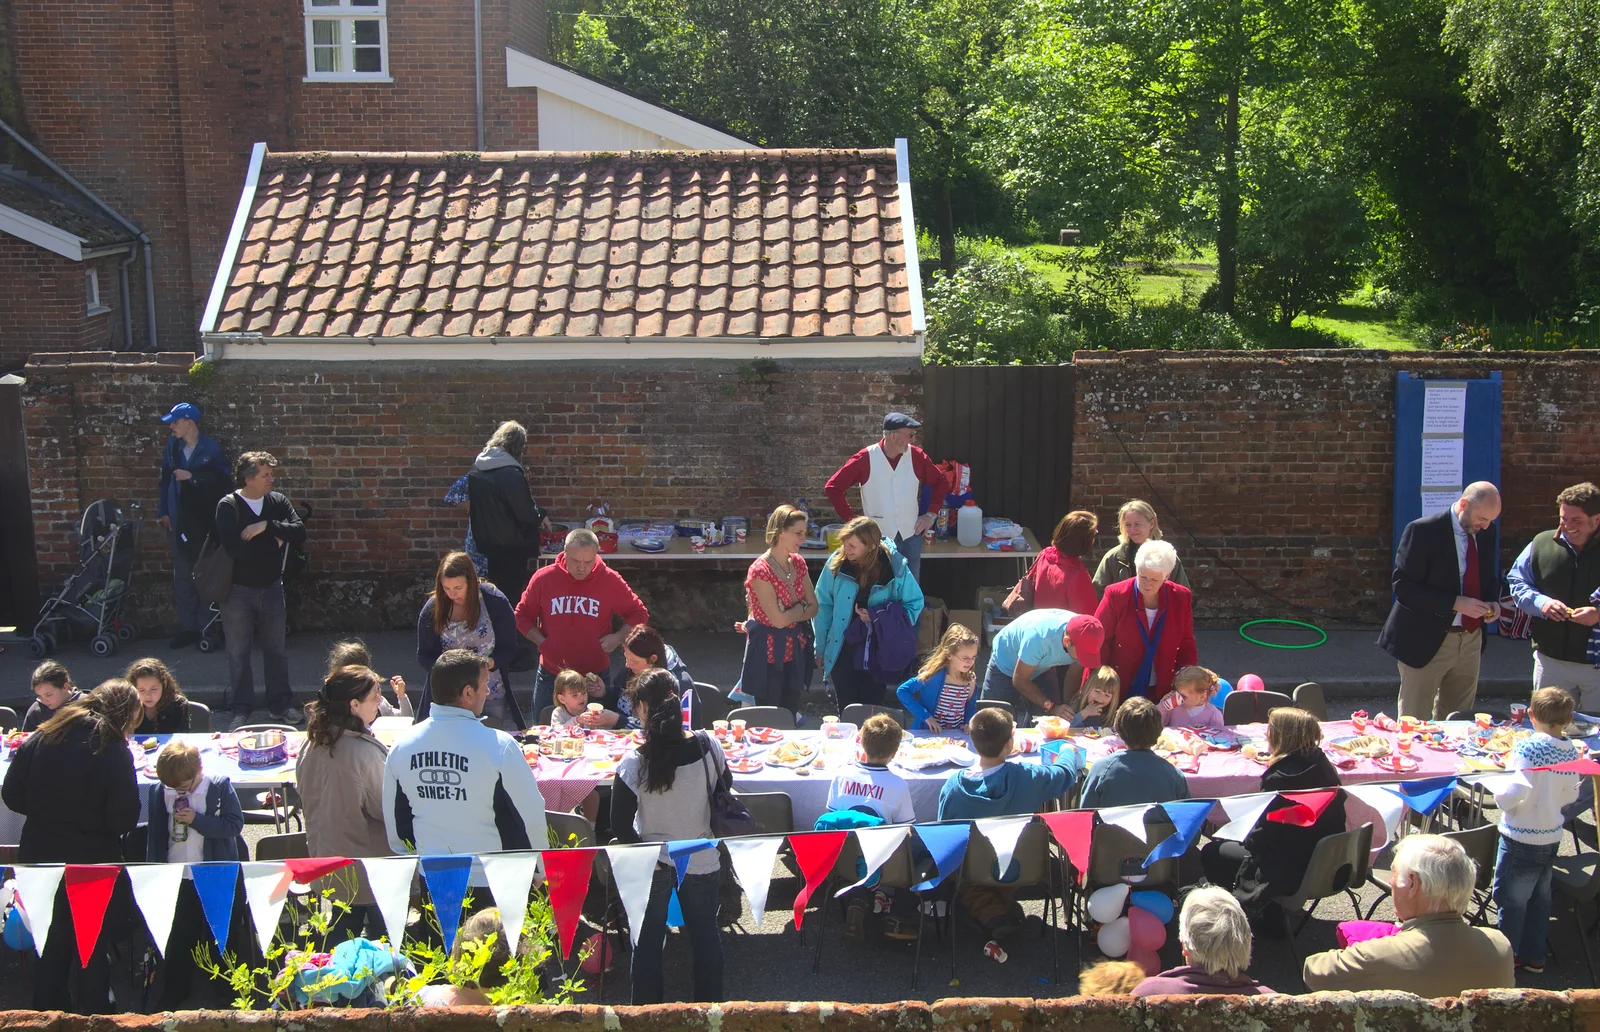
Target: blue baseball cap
x=182, y=410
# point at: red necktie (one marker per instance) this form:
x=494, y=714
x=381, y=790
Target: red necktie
x=1469, y=584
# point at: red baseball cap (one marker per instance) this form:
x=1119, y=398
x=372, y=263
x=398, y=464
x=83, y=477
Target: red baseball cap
x=1087, y=636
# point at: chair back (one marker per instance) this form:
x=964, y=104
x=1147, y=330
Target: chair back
x=1481, y=845
x=773, y=811
x=896, y=873
x=545, y=715
x=199, y=716
x=1032, y=858
x=8, y=719
x=998, y=704
x=1338, y=863
x=764, y=716
x=710, y=703
x=1309, y=698
x=568, y=829
x=282, y=847
x=857, y=713
x=1117, y=855
x=1252, y=707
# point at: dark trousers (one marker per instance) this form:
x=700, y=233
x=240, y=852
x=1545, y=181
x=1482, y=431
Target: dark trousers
x=192, y=611
x=59, y=981
x=1221, y=860
x=698, y=897
x=189, y=929
x=851, y=685
x=253, y=616
x=508, y=571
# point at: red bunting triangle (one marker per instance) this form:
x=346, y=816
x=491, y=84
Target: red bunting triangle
x=1573, y=767
x=1074, y=829
x=816, y=853
x=88, y=894
x=566, y=872
x=307, y=870
x=1306, y=807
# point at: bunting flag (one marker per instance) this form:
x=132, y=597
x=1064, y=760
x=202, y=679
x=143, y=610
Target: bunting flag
x=1074, y=830
x=948, y=844
x=877, y=846
x=1305, y=808
x=1129, y=818
x=1389, y=807
x=1425, y=796
x=390, y=879
x=681, y=850
x=155, y=893
x=1584, y=766
x=566, y=872
x=1243, y=813
x=1495, y=784
x=674, y=910
x=266, y=889
x=308, y=869
x=1002, y=833
x=216, y=883
x=1188, y=817
x=447, y=877
x=37, y=887
x=752, y=866
x=510, y=877
x=816, y=852
x=633, y=870
x=88, y=894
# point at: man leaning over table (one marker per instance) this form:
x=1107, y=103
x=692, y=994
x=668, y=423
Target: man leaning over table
x=891, y=475
x=1555, y=581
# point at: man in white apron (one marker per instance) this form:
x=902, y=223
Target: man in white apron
x=891, y=487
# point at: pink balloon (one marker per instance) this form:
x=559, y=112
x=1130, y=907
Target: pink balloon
x=1146, y=929
x=1146, y=959
x=1251, y=683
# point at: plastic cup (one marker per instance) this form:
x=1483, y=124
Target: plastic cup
x=1403, y=743
x=739, y=534
x=1359, y=722
x=737, y=728
x=1483, y=720
x=830, y=719
x=719, y=726
x=697, y=543
x=595, y=707
x=1519, y=712
x=1408, y=723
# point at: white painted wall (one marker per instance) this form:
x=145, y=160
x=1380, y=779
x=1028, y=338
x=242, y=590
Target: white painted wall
x=568, y=126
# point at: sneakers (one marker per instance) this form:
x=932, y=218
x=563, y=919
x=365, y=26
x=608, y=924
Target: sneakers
x=183, y=640
x=1532, y=969
x=901, y=931
x=289, y=715
x=855, y=922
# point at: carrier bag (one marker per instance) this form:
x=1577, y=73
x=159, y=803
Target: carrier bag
x=213, y=572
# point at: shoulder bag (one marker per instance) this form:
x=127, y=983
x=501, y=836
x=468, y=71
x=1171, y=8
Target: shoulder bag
x=729, y=816
x=213, y=571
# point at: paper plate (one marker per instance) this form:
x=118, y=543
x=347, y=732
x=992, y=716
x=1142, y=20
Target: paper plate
x=765, y=735
x=745, y=765
x=648, y=544
x=1396, y=762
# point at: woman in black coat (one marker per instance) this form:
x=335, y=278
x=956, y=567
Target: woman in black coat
x=74, y=782
x=466, y=613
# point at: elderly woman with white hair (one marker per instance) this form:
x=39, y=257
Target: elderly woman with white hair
x=1149, y=624
x=1215, y=936
x=1136, y=524
x=1434, y=952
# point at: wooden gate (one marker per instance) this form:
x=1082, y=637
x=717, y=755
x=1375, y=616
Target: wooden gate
x=19, y=574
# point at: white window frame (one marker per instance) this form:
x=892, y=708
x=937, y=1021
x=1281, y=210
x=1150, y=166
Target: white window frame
x=345, y=12
x=91, y=280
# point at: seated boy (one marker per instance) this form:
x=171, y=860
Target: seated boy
x=1135, y=775
x=870, y=787
x=994, y=788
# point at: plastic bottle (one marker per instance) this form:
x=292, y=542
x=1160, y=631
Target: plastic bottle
x=969, y=525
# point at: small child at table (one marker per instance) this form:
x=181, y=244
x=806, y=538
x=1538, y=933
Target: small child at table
x=870, y=787
x=355, y=653
x=571, y=699
x=943, y=695
x=1194, y=687
x=1098, y=699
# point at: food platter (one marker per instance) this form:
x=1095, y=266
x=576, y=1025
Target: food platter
x=937, y=751
x=1367, y=746
x=794, y=753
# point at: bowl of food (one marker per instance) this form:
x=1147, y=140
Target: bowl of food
x=263, y=749
x=1053, y=727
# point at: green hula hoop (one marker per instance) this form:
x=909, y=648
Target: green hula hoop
x=1282, y=623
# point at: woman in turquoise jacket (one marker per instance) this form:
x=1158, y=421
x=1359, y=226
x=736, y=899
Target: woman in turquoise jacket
x=864, y=560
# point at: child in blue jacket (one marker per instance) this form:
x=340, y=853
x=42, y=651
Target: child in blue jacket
x=943, y=696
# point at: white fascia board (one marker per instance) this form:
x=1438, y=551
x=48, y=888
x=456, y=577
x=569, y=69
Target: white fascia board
x=908, y=233
x=230, y=251
x=254, y=346
x=26, y=227
x=524, y=71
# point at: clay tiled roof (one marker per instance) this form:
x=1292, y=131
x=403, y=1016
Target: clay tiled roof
x=53, y=202
x=676, y=244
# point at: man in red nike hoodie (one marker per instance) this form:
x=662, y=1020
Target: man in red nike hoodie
x=567, y=611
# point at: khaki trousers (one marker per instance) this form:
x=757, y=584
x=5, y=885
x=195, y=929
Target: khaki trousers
x=1448, y=684
x=1581, y=679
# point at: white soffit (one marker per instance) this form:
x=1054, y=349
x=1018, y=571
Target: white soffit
x=26, y=227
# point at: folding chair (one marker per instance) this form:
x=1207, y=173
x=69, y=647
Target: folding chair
x=897, y=873
x=764, y=716
x=1481, y=845
x=857, y=713
x=1309, y=698
x=1252, y=707
x=773, y=811
x=1037, y=870
x=8, y=719
x=998, y=704
x=1577, y=880
x=287, y=847
x=199, y=716
x=1117, y=855
x=545, y=715
x=711, y=704
x=573, y=831
x=1337, y=865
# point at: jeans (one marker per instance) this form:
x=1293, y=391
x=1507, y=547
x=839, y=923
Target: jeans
x=192, y=612
x=910, y=550
x=250, y=616
x=1522, y=892
x=997, y=684
x=698, y=897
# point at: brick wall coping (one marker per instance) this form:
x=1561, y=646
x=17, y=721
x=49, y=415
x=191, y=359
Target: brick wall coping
x=1399, y=359
x=1501, y=1010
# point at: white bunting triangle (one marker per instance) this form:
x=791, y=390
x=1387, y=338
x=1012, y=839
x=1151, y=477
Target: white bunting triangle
x=37, y=887
x=633, y=872
x=390, y=879
x=877, y=846
x=266, y=888
x=1128, y=818
x=155, y=890
x=510, y=877
x=1497, y=783
x=1243, y=813
x=752, y=865
x=1387, y=802
x=1003, y=833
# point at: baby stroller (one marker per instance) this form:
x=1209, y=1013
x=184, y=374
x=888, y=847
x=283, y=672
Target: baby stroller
x=294, y=561
x=93, y=597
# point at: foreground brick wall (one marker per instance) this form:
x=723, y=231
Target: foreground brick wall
x=373, y=451
x=1502, y=1010
x=1275, y=472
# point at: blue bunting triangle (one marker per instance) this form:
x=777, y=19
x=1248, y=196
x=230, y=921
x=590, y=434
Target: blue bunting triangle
x=682, y=849
x=948, y=844
x=1188, y=817
x=215, y=884
x=674, y=911
x=1425, y=796
x=447, y=887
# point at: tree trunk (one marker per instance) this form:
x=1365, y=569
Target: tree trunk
x=945, y=220
x=1228, y=204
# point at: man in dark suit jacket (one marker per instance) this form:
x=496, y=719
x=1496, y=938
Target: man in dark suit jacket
x=1446, y=587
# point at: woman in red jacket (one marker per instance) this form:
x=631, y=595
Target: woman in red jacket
x=1149, y=623
x=1058, y=579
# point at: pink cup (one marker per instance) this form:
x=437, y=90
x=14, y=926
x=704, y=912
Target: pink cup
x=697, y=543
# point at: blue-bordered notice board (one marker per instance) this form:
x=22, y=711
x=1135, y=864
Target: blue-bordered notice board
x=1446, y=435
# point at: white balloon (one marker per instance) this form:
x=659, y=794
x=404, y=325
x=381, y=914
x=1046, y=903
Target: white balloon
x=1105, y=904
x=1115, y=938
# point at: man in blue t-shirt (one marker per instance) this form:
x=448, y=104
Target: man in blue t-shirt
x=1026, y=655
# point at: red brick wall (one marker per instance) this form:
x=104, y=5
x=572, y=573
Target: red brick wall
x=1274, y=474
x=373, y=451
x=44, y=304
